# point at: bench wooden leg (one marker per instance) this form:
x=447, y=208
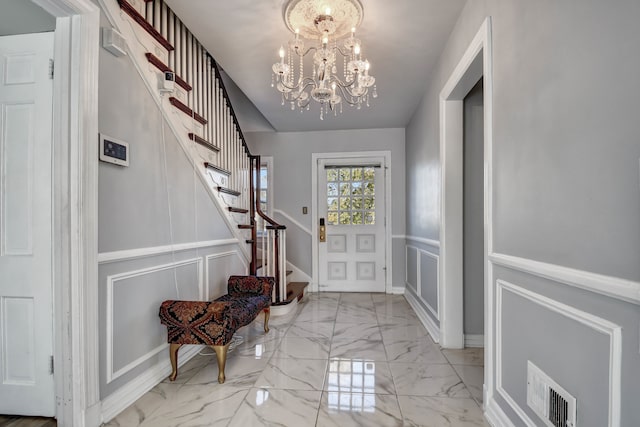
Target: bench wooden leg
x=173, y=356
x=267, y=313
x=221, y=355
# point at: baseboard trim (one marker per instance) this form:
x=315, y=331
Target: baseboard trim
x=471, y=340
x=397, y=290
x=495, y=415
x=427, y=321
x=122, y=398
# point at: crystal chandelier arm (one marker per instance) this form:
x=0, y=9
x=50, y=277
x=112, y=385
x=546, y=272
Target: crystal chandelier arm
x=309, y=49
x=307, y=81
x=342, y=84
x=346, y=94
x=347, y=53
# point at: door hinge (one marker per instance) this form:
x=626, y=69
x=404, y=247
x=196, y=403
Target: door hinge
x=51, y=67
x=50, y=365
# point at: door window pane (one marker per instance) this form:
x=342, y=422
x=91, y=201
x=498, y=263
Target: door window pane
x=346, y=187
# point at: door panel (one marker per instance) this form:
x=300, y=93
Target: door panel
x=352, y=205
x=26, y=310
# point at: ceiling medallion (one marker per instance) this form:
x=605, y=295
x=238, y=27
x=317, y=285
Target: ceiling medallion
x=328, y=29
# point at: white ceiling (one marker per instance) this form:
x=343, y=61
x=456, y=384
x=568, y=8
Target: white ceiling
x=402, y=39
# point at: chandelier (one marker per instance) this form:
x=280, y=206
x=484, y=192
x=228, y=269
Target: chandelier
x=328, y=29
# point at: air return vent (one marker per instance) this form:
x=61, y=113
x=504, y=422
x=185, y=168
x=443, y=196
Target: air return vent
x=552, y=403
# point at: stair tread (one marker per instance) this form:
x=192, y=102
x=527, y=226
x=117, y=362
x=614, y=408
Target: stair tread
x=188, y=111
x=199, y=140
x=135, y=15
x=238, y=210
x=294, y=290
x=217, y=168
x=228, y=191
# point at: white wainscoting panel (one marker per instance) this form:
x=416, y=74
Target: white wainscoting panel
x=613, y=331
x=414, y=274
x=223, y=269
x=118, y=279
x=427, y=321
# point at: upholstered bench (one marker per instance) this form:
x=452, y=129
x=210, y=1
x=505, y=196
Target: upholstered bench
x=213, y=323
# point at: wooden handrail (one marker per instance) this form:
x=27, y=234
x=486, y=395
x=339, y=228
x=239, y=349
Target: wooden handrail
x=263, y=215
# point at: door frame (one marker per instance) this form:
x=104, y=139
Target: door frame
x=475, y=63
x=315, y=253
x=75, y=210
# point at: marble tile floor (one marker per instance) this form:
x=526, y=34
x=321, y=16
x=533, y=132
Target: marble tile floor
x=339, y=360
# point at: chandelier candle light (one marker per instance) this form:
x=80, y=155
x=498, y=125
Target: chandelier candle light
x=323, y=23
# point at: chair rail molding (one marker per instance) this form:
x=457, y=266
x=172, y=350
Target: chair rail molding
x=430, y=242
x=613, y=287
x=129, y=254
x=292, y=220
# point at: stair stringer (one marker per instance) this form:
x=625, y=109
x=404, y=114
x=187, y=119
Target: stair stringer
x=179, y=123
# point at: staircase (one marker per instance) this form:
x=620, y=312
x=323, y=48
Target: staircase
x=200, y=114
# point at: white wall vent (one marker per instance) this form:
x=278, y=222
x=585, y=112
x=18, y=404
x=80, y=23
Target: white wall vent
x=549, y=400
x=114, y=41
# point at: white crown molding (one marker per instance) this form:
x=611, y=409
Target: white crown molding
x=613, y=287
x=293, y=221
x=129, y=254
x=425, y=319
x=594, y=322
x=111, y=282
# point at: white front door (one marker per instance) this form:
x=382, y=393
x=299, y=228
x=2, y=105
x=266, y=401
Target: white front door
x=26, y=308
x=351, y=204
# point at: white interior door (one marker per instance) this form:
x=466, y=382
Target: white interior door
x=26, y=309
x=351, y=203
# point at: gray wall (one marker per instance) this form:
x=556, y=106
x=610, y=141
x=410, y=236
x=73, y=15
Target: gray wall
x=24, y=17
x=291, y=153
x=473, y=222
x=566, y=188
x=145, y=207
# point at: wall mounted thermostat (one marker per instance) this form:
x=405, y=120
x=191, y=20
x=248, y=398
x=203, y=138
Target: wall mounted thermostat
x=114, y=151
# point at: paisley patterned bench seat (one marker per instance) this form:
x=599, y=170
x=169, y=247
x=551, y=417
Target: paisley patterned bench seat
x=213, y=323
